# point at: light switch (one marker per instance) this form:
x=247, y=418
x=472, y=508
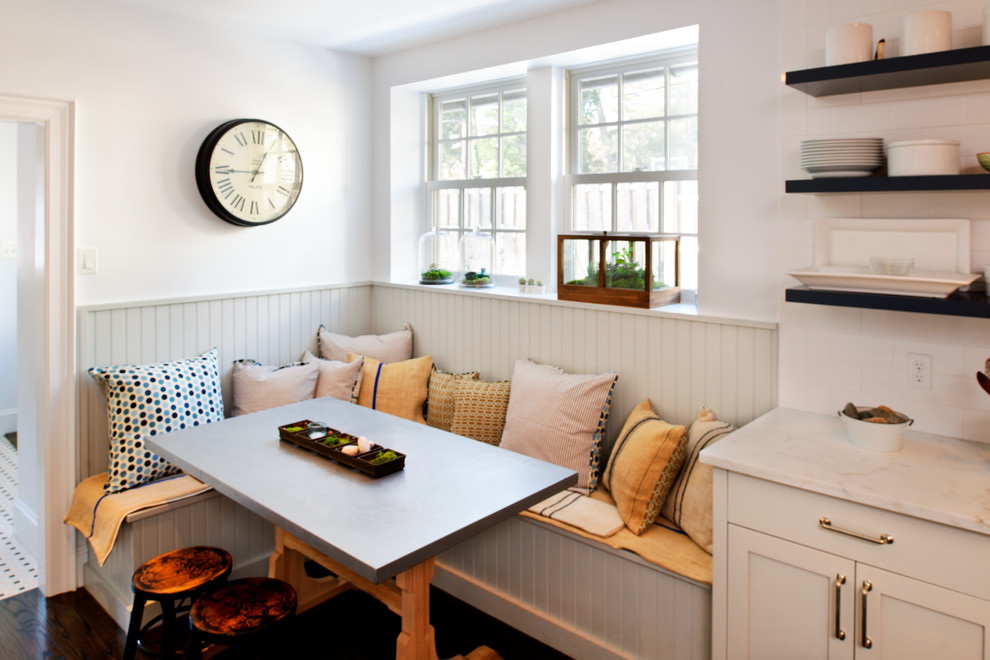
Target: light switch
x=87, y=261
x=8, y=250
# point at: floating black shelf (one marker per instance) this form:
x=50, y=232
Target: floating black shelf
x=946, y=66
x=961, y=303
x=889, y=183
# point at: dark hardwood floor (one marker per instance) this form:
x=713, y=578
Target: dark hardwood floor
x=352, y=626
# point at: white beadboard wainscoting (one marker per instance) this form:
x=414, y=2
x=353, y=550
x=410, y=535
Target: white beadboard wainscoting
x=680, y=362
x=273, y=328
x=582, y=597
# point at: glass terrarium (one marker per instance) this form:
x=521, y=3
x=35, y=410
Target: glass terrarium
x=618, y=269
x=437, y=257
x=477, y=256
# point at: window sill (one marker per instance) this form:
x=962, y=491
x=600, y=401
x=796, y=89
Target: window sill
x=681, y=311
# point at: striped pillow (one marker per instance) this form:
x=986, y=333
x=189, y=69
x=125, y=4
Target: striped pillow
x=440, y=398
x=559, y=417
x=479, y=410
x=645, y=461
x=689, y=504
x=398, y=388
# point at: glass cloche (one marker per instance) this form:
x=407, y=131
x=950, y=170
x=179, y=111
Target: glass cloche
x=477, y=255
x=437, y=257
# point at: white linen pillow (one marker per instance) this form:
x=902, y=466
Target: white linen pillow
x=340, y=380
x=257, y=386
x=391, y=347
x=558, y=417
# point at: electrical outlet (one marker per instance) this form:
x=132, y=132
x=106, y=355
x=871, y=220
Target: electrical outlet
x=919, y=371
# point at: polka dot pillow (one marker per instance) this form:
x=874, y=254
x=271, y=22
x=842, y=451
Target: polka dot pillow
x=150, y=399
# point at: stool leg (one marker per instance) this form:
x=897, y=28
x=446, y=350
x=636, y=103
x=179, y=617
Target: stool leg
x=194, y=649
x=168, y=628
x=134, y=627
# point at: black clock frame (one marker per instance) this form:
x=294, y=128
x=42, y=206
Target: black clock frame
x=205, y=186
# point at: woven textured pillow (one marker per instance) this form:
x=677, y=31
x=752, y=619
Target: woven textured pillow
x=479, y=410
x=340, y=380
x=398, y=388
x=689, y=504
x=145, y=400
x=559, y=417
x=440, y=397
x=645, y=461
x=392, y=347
x=256, y=386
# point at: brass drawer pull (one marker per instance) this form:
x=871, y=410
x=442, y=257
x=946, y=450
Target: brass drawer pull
x=867, y=588
x=840, y=580
x=885, y=539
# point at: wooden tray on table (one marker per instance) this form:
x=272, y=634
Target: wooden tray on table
x=329, y=443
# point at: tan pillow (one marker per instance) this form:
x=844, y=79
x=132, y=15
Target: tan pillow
x=398, y=388
x=440, y=398
x=392, y=347
x=558, y=417
x=340, y=380
x=258, y=386
x=645, y=461
x=689, y=504
x=479, y=410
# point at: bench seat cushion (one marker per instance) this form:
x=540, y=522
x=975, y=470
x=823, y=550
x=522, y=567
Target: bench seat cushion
x=662, y=544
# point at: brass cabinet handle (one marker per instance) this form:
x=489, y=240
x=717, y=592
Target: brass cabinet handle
x=867, y=588
x=840, y=580
x=884, y=539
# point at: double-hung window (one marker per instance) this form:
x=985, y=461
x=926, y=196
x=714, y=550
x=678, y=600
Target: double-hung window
x=478, y=168
x=633, y=151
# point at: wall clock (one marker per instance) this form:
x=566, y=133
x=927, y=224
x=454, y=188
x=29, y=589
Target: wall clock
x=249, y=172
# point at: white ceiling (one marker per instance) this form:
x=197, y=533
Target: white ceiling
x=366, y=27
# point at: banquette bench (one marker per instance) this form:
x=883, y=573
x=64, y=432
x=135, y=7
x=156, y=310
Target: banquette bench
x=580, y=595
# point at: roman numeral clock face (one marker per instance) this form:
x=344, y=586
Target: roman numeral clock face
x=249, y=172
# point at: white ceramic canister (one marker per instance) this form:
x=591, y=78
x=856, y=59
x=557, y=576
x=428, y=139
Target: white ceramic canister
x=922, y=157
x=926, y=32
x=851, y=42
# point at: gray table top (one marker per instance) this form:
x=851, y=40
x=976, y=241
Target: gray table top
x=451, y=488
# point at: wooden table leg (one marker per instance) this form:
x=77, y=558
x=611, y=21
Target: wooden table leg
x=416, y=641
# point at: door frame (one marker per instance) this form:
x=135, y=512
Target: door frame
x=55, y=393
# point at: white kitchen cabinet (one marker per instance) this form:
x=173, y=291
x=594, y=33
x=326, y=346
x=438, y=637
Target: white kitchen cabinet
x=789, y=601
x=826, y=550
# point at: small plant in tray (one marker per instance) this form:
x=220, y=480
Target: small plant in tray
x=377, y=463
x=382, y=456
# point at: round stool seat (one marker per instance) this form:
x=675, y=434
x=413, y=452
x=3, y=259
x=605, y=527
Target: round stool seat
x=242, y=607
x=182, y=570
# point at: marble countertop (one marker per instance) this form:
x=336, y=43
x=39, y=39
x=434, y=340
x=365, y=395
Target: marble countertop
x=943, y=480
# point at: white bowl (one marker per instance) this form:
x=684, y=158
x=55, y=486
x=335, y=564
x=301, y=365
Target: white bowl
x=923, y=157
x=874, y=436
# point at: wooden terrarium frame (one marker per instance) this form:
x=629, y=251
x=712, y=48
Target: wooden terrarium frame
x=601, y=292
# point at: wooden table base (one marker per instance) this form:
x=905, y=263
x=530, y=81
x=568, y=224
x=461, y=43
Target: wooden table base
x=408, y=595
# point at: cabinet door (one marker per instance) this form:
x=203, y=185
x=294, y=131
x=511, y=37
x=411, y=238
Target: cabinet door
x=907, y=619
x=786, y=600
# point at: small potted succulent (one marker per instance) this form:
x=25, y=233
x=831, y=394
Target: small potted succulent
x=522, y=285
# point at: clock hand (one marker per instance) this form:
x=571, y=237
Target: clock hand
x=262, y=162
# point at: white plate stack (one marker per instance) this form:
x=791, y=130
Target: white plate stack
x=841, y=157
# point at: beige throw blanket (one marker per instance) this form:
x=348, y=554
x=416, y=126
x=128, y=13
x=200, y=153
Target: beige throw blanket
x=98, y=515
x=594, y=517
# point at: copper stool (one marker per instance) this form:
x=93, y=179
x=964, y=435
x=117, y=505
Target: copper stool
x=169, y=579
x=239, y=611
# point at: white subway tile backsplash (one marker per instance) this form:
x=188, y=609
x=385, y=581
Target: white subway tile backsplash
x=947, y=359
x=894, y=324
x=938, y=111
x=818, y=342
x=863, y=349
x=858, y=11
x=976, y=425
x=896, y=205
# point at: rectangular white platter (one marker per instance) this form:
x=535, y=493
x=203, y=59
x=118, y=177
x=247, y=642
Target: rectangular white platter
x=935, y=244
x=924, y=284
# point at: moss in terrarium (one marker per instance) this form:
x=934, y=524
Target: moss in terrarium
x=334, y=440
x=435, y=273
x=625, y=273
x=472, y=278
x=293, y=429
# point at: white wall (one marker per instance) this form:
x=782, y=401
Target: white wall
x=831, y=355
x=149, y=89
x=738, y=169
x=8, y=277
